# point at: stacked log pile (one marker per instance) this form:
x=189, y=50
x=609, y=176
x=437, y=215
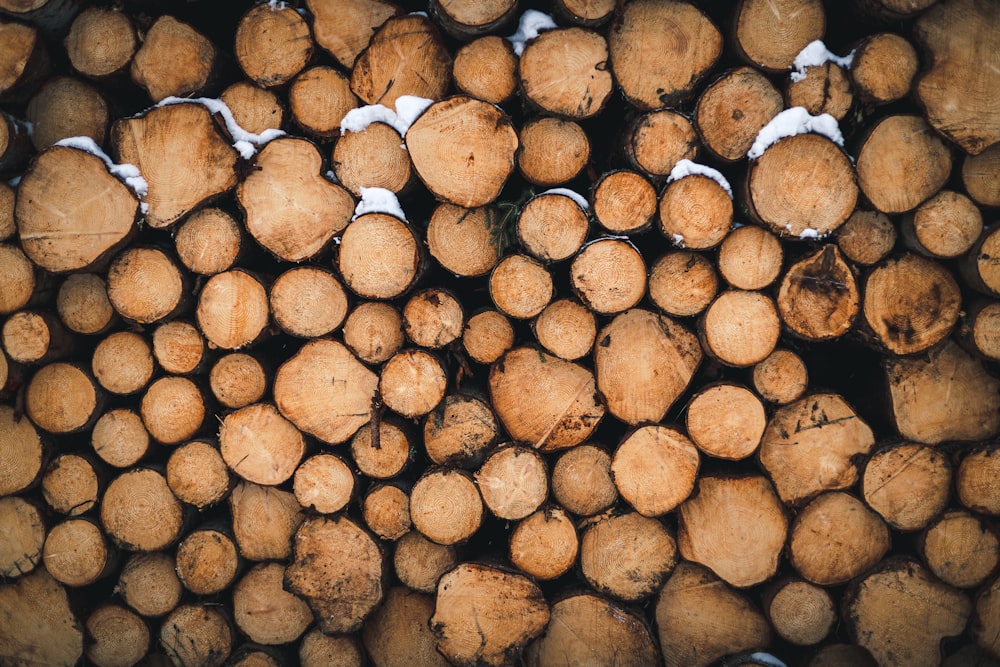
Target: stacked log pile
x=582, y=332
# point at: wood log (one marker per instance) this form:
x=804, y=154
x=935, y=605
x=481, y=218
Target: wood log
x=740, y=328
x=22, y=522
x=383, y=455
x=237, y=379
x=83, y=305
x=460, y=431
x=38, y=624
x=198, y=475
x=264, y=521
x=682, y=283
x=324, y=483
x=71, y=484
x=867, y=237
x=486, y=68
x=825, y=89
x=173, y=409
x=979, y=174
x=254, y=109
x=907, y=484
x=65, y=107
x=345, y=27
x=733, y=109
x=264, y=611
x=120, y=438
x=544, y=545
x=960, y=549
x=178, y=347
x=62, y=398
x=465, y=20
x=974, y=481
x=462, y=240
x=197, y=634
x=566, y=329
x=399, y=632
x=386, y=511
x=576, y=87
x=654, y=469
x=800, y=612
x=750, y=258
x=139, y=512
x=513, y=481
x=487, y=336
x=379, y=256
x=945, y=226
x=209, y=241
x=131, y=278
x=520, y=286
x=552, y=226
x=984, y=622
x=412, y=383
x=119, y=637
x=433, y=318
x=406, y=56
x=25, y=58
x=148, y=583
x=35, y=337
x=726, y=421
x=319, y=98
x=582, y=482
x=626, y=555
x=19, y=278
x=22, y=452
x=609, y=276
x=374, y=331
x=260, y=445
x=419, y=563
x=770, y=36
x=623, y=202
x=819, y=298
x=272, y=44
x=781, y=378
x=174, y=60
x=207, y=561
x=445, y=506
x=317, y=649
x=695, y=212
x=15, y=144
x=308, y=302
x=101, y=43
x=375, y=157
x=657, y=140
x=884, y=67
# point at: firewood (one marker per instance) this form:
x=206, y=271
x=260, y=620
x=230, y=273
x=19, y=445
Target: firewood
x=25, y=530
x=818, y=298
x=740, y=328
x=520, y=286
x=907, y=484
x=207, y=561
x=461, y=239
x=379, y=256
x=544, y=544
x=872, y=605
x=324, y=483
x=319, y=98
x=657, y=140
x=487, y=336
x=566, y=329
x=945, y=226
x=399, y=632
x=197, y=634
x=884, y=67
x=319, y=650
x=386, y=511
x=209, y=241
x=148, y=583
x=608, y=275
x=825, y=88
x=120, y=438
x=960, y=549
x=800, y=612
x=118, y=636
x=819, y=432
x=726, y=421
x=733, y=109
x=38, y=625
x=419, y=563
x=626, y=556
x=174, y=60
x=62, y=398
x=836, y=538
x=654, y=469
x=976, y=480
x=513, y=481
x=337, y=568
x=272, y=44
x=465, y=20
x=237, y=379
x=445, y=506
x=198, y=475
x=770, y=36
x=72, y=483
x=173, y=409
x=581, y=480
x=551, y=226
x=254, y=109
x=486, y=68
x=76, y=553
x=750, y=258
x=101, y=43
x=682, y=283
x=264, y=611
x=412, y=383
x=695, y=212
x=35, y=337
x=586, y=627
x=652, y=72
x=374, y=158
x=867, y=237
x=576, y=87
x=623, y=202
x=460, y=431
x=700, y=618
x=66, y=107
x=139, y=512
x=22, y=453
x=264, y=521
x=979, y=176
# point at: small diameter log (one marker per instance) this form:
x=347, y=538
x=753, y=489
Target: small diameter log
x=148, y=583
x=735, y=526
x=945, y=226
x=399, y=633
x=917, y=387
x=101, y=42
x=207, y=561
x=386, y=511
x=38, y=626
x=979, y=268
x=64, y=107
x=140, y=513
x=264, y=520
x=264, y=611
x=700, y=619
x=145, y=285
x=445, y=506
x=770, y=36
x=695, y=212
x=568, y=408
x=71, y=484
x=825, y=88
x=623, y=202
x=384, y=457
x=654, y=469
x=198, y=475
x=901, y=163
x=819, y=297
x=836, y=538
x=324, y=483
x=173, y=409
x=19, y=278
x=412, y=383
x=652, y=72
x=463, y=150
x=325, y=391
x=750, y=258
x=803, y=186
x=487, y=336
x=82, y=304
x=406, y=56
x=272, y=44
x=513, y=482
x=460, y=431
x=237, y=379
x=24, y=531
x=50, y=208
x=907, y=484
x=197, y=634
x=319, y=650
x=867, y=237
x=486, y=68
x=485, y=616
x=552, y=226
x=260, y=445
x=379, y=256
x=871, y=612
x=800, y=612
x=419, y=563
x=545, y=544
x=120, y=438
x=976, y=480
x=740, y=328
x=21, y=452
x=586, y=627
x=811, y=445
x=62, y=398
x=178, y=347
x=980, y=176
x=209, y=241
x=35, y=337
x=979, y=329
x=582, y=481
x=308, y=302
x=627, y=556
x=338, y=570
x=733, y=109
x=565, y=72
x=254, y=108
x=291, y=208
x=947, y=33
x=375, y=157
x=345, y=27
x=961, y=549
x=520, y=286
x=726, y=421
x=374, y=331
x=608, y=276
x=433, y=318
x=883, y=68
x=566, y=329
x=656, y=141
x=462, y=240
x=319, y=98
x=118, y=636
x=465, y=20
x=682, y=283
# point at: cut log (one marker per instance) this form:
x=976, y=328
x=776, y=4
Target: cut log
x=308, y=301
x=264, y=520
x=980, y=175
x=83, y=305
x=337, y=569
x=750, y=258
x=867, y=237
x=545, y=544
x=22, y=452
x=207, y=561
x=374, y=331
x=682, y=283
x=960, y=549
x=264, y=611
x=462, y=240
x=564, y=72
x=726, y=421
x=25, y=59
x=582, y=481
x=178, y=347
x=174, y=60
x=945, y=226
x=623, y=202
x=18, y=276
x=35, y=337
x=118, y=636
x=485, y=616
x=260, y=445
x=254, y=109
x=513, y=482
x=460, y=431
x=375, y=158
x=173, y=409
x=385, y=456
x=379, y=256
x=812, y=445
x=770, y=34
x=419, y=563
x=140, y=513
x=197, y=634
x=324, y=483
x=65, y=107
x=345, y=27
x=907, y=484
x=319, y=650
x=987, y=619
x=272, y=44
x=520, y=286
x=197, y=474
x=465, y=20
x=552, y=226
x=237, y=379
x=148, y=583
x=654, y=469
x=977, y=332
x=399, y=631
x=445, y=506
x=71, y=484
x=656, y=141
x=819, y=298
x=37, y=625
x=209, y=241
x=825, y=89
x=842, y=655
x=740, y=328
x=609, y=276
x=660, y=51
x=566, y=329
x=433, y=318
x=101, y=43
x=695, y=212
x=120, y=438
x=24, y=529
x=627, y=556
x=386, y=511
x=883, y=68
x=487, y=336
x=486, y=68
x=976, y=480
x=733, y=109
x=979, y=267
x=319, y=98
x=62, y=398
x=145, y=285
x=412, y=383
x=800, y=612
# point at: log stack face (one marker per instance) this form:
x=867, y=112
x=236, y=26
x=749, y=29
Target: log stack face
x=554, y=332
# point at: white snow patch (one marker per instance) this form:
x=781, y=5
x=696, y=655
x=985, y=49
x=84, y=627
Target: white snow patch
x=766, y=659
x=809, y=233
x=25, y=125
x=277, y=5
x=790, y=122
x=815, y=54
x=408, y=109
x=688, y=168
x=378, y=200
x=580, y=200
x=246, y=143
x=331, y=176
x=424, y=14
x=14, y=182
x=126, y=173
x=678, y=240
x=532, y=24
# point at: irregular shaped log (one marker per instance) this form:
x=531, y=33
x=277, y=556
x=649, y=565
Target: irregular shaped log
x=819, y=298
x=406, y=56
x=174, y=60
x=399, y=631
x=272, y=44
x=36, y=622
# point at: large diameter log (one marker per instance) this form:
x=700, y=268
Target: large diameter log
x=345, y=27
x=463, y=150
x=63, y=108
x=565, y=72
x=272, y=44
x=654, y=469
x=566, y=409
x=771, y=34
x=398, y=633
x=733, y=109
x=485, y=616
x=37, y=626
